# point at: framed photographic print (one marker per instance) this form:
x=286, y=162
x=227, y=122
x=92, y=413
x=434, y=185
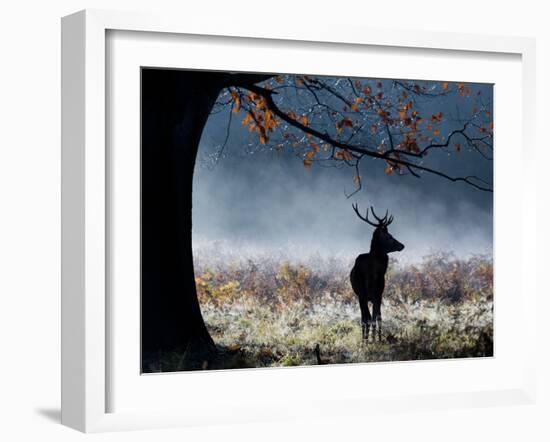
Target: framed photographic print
x=290, y=275
x=282, y=209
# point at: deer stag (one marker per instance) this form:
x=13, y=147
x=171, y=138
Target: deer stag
x=368, y=274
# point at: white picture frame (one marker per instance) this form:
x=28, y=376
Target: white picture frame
x=85, y=202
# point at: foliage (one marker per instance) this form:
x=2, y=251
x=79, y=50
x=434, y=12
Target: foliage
x=274, y=312
x=343, y=120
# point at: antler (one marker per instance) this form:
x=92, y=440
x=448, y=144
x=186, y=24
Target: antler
x=380, y=220
x=366, y=219
x=383, y=222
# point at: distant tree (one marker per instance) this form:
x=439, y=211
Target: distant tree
x=335, y=121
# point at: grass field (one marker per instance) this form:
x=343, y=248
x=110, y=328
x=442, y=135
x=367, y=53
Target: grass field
x=273, y=312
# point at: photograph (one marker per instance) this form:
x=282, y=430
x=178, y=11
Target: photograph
x=244, y=221
x=292, y=219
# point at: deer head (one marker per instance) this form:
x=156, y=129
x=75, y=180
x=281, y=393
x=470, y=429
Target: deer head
x=382, y=241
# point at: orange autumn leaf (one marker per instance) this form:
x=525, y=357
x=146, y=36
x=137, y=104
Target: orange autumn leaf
x=344, y=155
x=247, y=119
x=237, y=106
x=236, y=100
x=347, y=122
x=315, y=147
x=267, y=117
x=437, y=117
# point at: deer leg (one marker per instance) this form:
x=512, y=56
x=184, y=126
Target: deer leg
x=365, y=319
x=377, y=320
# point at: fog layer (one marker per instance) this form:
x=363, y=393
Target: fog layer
x=257, y=200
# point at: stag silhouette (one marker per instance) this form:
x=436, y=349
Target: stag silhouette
x=369, y=272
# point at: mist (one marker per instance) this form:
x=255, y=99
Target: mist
x=252, y=200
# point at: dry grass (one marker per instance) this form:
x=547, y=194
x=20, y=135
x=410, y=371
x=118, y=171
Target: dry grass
x=273, y=312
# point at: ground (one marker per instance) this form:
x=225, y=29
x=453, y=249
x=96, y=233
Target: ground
x=273, y=311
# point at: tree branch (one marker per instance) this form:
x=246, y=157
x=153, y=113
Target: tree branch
x=268, y=96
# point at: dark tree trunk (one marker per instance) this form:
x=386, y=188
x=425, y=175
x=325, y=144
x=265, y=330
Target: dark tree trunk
x=175, y=108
